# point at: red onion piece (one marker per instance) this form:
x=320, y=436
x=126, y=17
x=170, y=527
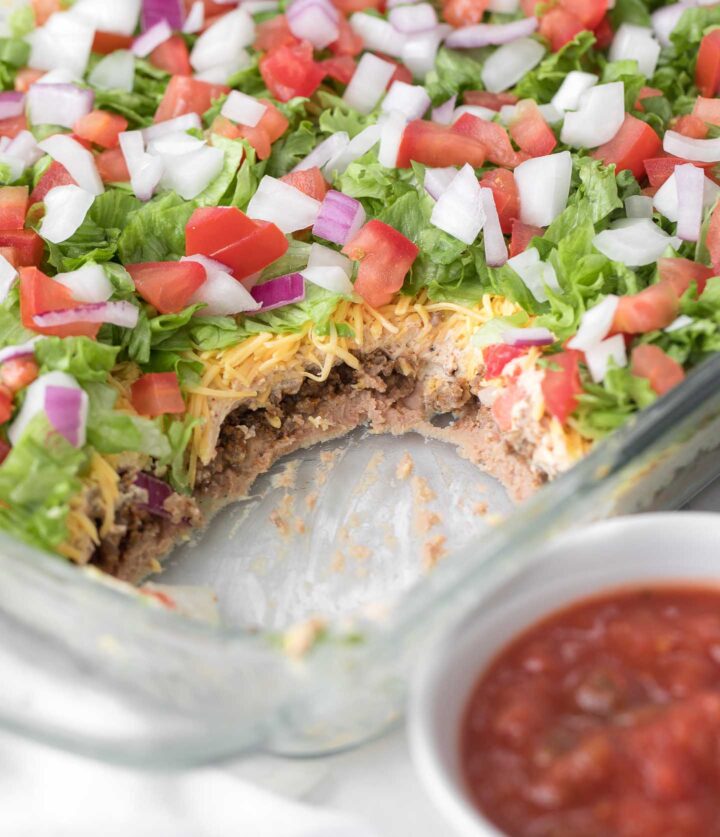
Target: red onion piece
x=155, y=11
x=443, y=114
x=58, y=104
x=11, y=104
x=278, y=292
x=66, y=409
x=123, y=314
x=523, y=337
x=412, y=19
x=340, y=217
x=151, y=38
x=157, y=490
x=491, y=34
x=21, y=350
x=690, y=182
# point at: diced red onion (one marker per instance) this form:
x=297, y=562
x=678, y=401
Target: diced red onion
x=278, y=292
x=151, y=38
x=636, y=43
x=340, y=217
x=154, y=11
x=639, y=206
x=8, y=275
x=369, y=82
x=443, y=114
x=120, y=18
x=190, y=174
x=313, y=21
x=21, y=350
x=244, y=109
x=195, y=19
x=536, y=275
x=437, y=180
x=65, y=209
x=420, y=50
x=459, y=209
x=145, y=170
x=496, y=251
x=284, y=205
x=411, y=19
x=412, y=101
x=358, y=146
x=527, y=337
x=11, y=104
x=690, y=182
x=157, y=492
x=635, y=244
x=575, y=84
x=544, y=187
x=114, y=72
x=508, y=64
x=595, y=324
x=321, y=256
x=332, y=278
x=87, y=284
x=67, y=415
x=79, y=162
x=220, y=292
x=704, y=151
x=600, y=117
x=598, y=357
x=65, y=41
x=171, y=126
x=324, y=152
x=58, y=104
x=223, y=40
x=491, y=34
x=122, y=313
x=377, y=34
x=392, y=127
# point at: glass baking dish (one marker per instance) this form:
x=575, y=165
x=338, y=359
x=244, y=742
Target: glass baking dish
x=89, y=665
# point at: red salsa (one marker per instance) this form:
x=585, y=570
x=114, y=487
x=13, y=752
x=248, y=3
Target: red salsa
x=603, y=720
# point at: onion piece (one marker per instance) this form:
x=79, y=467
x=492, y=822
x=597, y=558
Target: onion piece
x=369, y=82
x=314, y=22
x=157, y=491
x=412, y=101
x=119, y=18
x=284, y=290
x=122, y=313
x=575, y=84
x=151, y=38
x=598, y=357
x=321, y=256
x=79, y=162
x=220, y=292
x=67, y=415
x=636, y=43
x=340, y=217
x=332, y=278
x=459, y=210
x=171, y=126
x=12, y=104
x=244, y=109
x=595, y=324
x=549, y=113
x=88, y=283
x=690, y=182
x=377, y=34
x=24, y=147
x=420, y=51
x=536, y=275
x=506, y=7
x=411, y=19
x=528, y=337
x=544, y=187
x=496, y=251
x=665, y=20
x=195, y=19
x=703, y=151
x=65, y=210
x=8, y=275
x=443, y=114
x=64, y=42
x=392, y=128
x=636, y=244
x=145, y=170
x=639, y=206
x=358, y=146
x=324, y=152
x=491, y=34
x=222, y=73
x=190, y=174
x=600, y=117
x=486, y=114
x=223, y=40
x=153, y=11
x=508, y=64
x=114, y=72
x=60, y=75
x=20, y=350
x=666, y=200
x=437, y=180
x=284, y=205
x=679, y=322
x=58, y=104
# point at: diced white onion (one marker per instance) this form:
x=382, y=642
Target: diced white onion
x=244, y=109
x=87, y=284
x=79, y=162
x=690, y=182
x=544, y=187
x=222, y=294
x=574, y=85
x=332, y=278
x=149, y=40
x=190, y=174
x=680, y=322
x=117, y=16
x=358, y=146
x=689, y=148
x=284, y=205
x=195, y=19
x=486, y=114
x=536, y=275
x=411, y=19
x=635, y=244
x=324, y=152
x=65, y=210
x=508, y=64
x=322, y=256
x=639, y=206
x=64, y=42
x=58, y=104
x=171, y=126
x=459, y=210
x=145, y=170
x=222, y=73
x=598, y=357
x=412, y=101
x=595, y=324
x=420, y=51
x=551, y=115
x=114, y=72
x=8, y=275
x=314, y=21
x=601, y=114
x=437, y=180
x=506, y=7
x=377, y=34
x=392, y=128
x=369, y=81
x=223, y=40
x=666, y=199
x=665, y=20
x=636, y=43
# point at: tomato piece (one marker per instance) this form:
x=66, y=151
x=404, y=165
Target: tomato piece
x=54, y=175
x=681, y=273
x=101, y=128
x=273, y=33
x=713, y=241
x=258, y=138
x=185, y=94
x=604, y=34
x=273, y=121
x=43, y=9
x=522, y=235
x=385, y=257
x=18, y=372
x=172, y=56
x=634, y=143
x=464, y=12
x=106, y=42
x=13, y=207
x=340, y=67
x=401, y=71
x=211, y=228
x=347, y=7
x=707, y=69
x=290, y=70
x=29, y=246
x=708, y=110
x=654, y=307
x=224, y=127
x=25, y=78
x=309, y=181
x=498, y=355
x=560, y=27
x=263, y=246
x=438, y=145
x=6, y=409
x=112, y=167
x=491, y=136
x=493, y=101
x=690, y=126
x=12, y=126
x=157, y=394
x=507, y=197
x=40, y=294
x=561, y=384
x=659, y=368
x=658, y=169
x=646, y=93
x=530, y=131
x=589, y=12
x=11, y=254
x=167, y=286
x=347, y=43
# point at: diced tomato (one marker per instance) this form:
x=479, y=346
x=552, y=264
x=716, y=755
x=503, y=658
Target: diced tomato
x=712, y=241
x=112, y=167
x=507, y=197
x=54, y=175
x=707, y=69
x=690, y=126
x=11, y=254
x=634, y=143
x=157, y=394
x=273, y=121
x=438, y=145
x=484, y=99
x=258, y=138
x=604, y=34
x=530, y=131
x=263, y=246
x=646, y=93
x=348, y=43
x=211, y=228
x=101, y=127
x=340, y=67
x=680, y=273
x=5, y=449
x=498, y=355
x=522, y=235
x=290, y=70
x=589, y=12
x=708, y=110
x=6, y=408
x=106, y=42
x=13, y=207
x=167, y=286
x=503, y=406
x=25, y=78
x=43, y=9
x=561, y=384
x=185, y=94
x=464, y=12
x=385, y=257
x=40, y=294
x=273, y=33
x=401, y=71
x=491, y=136
x=18, y=372
x=12, y=126
x=654, y=307
x=172, y=56
x=29, y=246
x=224, y=127
x=659, y=368
x=560, y=27
x=347, y=7
x=309, y=181
x=658, y=169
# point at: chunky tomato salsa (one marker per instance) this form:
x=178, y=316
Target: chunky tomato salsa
x=603, y=721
